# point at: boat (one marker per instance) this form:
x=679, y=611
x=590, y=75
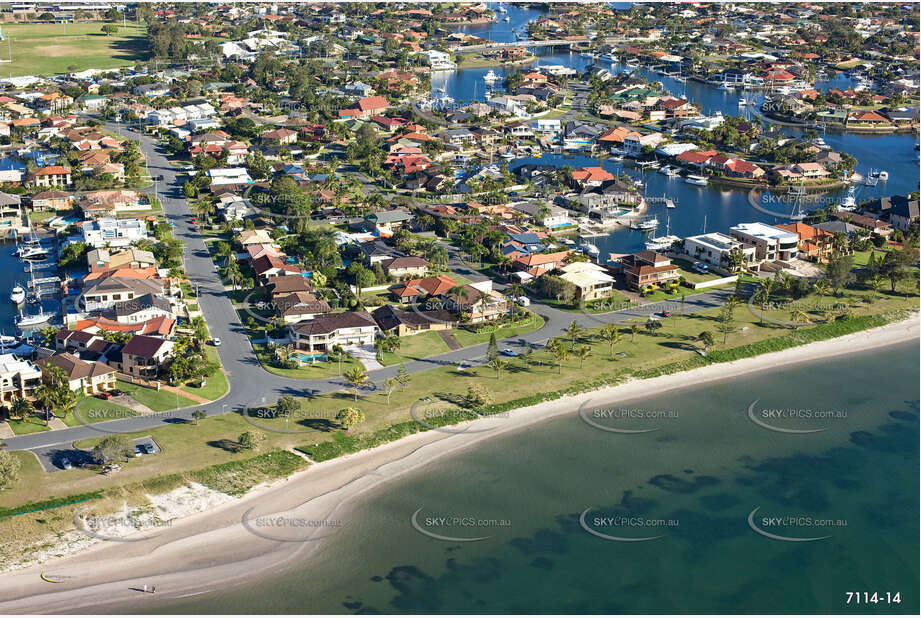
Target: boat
x=589, y=248
x=883, y=175
x=490, y=77
x=608, y=57
x=17, y=294
x=507, y=18
x=665, y=170
x=33, y=320
x=660, y=243
x=743, y=102
x=696, y=180
x=7, y=341
x=681, y=79
x=500, y=9
x=645, y=225
x=617, y=157
x=671, y=172
x=849, y=202
x=586, y=54
x=34, y=253
x=724, y=86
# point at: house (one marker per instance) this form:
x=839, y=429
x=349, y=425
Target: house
x=410, y=266
x=813, y=242
x=742, y=169
x=253, y=237
x=110, y=232
x=142, y=309
x=904, y=212
x=771, y=243
x=547, y=215
x=478, y=302
x=130, y=257
x=18, y=378
x=284, y=285
x=279, y=137
x=10, y=213
x=366, y=107
x=97, y=204
x=268, y=266
x=90, y=377
x=51, y=176
x=634, y=143
x=591, y=280
x=414, y=289
x=718, y=249
x=143, y=356
x=299, y=306
x=648, y=269
x=395, y=321
x=539, y=263
x=811, y=170
x=351, y=328
x=591, y=176
x=105, y=292
x=386, y=221
x=52, y=200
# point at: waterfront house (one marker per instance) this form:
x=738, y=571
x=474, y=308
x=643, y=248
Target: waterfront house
x=10, y=214
x=814, y=243
x=718, y=249
x=104, y=292
x=108, y=232
x=52, y=200
x=771, y=243
x=51, y=176
x=18, y=378
x=647, y=269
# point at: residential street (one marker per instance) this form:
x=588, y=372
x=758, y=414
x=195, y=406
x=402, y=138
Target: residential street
x=250, y=383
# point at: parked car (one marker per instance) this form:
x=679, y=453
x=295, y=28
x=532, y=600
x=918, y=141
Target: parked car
x=116, y=392
x=65, y=463
x=104, y=395
x=139, y=450
x=666, y=314
x=509, y=352
x=216, y=341
x=149, y=448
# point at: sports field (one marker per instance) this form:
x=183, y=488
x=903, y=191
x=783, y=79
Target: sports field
x=46, y=49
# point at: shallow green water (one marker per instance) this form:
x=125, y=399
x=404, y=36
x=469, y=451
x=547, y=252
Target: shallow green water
x=694, y=481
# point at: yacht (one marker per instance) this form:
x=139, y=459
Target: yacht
x=645, y=225
x=660, y=243
x=589, y=248
x=33, y=253
x=33, y=320
x=743, y=102
x=18, y=294
x=586, y=54
x=672, y=172
x=849, y=202
x=883, y=175
x=724, y=86
x=608, y=57
x=7, y=341
x=506, y=18
x=490, y=77
x=500, y=9
x=665, y=170
x=617, y=157
x=696, y=180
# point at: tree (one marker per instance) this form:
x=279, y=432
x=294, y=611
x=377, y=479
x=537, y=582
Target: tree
x=724, y=323
x=478, y=396
x=356, y=377
x=287, y=405
x=838, y=271
x=349, y=417
x=706, y=339
x=54, y=393
x=634, y=329
x=610, y=334
x=110, y=29
x=111, y=448
x=492, y=350
x=199, y=415
x=498, y=364
x=574, y=331
x=559, y=352
x=821, y=288
x=896, y=264
x=9, y=469
x=652, y=325
x=402, y=376
x=582, y=353
x=389, y=385
x=797, y=317
x=249, y=440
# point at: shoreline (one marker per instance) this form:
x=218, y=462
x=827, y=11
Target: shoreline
x=212, y=550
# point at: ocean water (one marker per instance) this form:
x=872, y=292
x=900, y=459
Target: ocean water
x=848, y=479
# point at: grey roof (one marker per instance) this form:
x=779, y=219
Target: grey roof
x=142, y=303
x=331, y=322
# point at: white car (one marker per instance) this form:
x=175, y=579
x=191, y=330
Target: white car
x=216, y=341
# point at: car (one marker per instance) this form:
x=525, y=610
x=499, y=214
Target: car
x=216, y=341
x=139, y=450
x=65, y=463
x=149, y=448
x=666, y=314
x=509, y=352
x=104, y=395
x=116, y=392
x=194, y=221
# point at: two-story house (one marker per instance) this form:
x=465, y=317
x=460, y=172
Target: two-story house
x=351, y=328
x=143, y=356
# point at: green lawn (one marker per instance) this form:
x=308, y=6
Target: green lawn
x=159, y=401
x=415, y=347
x=216, y=386
x=667, y=295
x=467, y=338
x=46, y=49
x=30, y=424
x=93, y=410
x=862, y=257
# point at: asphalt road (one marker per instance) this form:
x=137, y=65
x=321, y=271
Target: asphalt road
x=250, y=384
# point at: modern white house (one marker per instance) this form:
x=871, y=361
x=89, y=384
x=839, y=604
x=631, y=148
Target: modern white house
x=18, y=378
x=113, y=232
x=547, y=126
x=439, y=60
x=771, y=243
x=714, y=248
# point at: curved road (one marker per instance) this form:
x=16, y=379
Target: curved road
x=250, y=384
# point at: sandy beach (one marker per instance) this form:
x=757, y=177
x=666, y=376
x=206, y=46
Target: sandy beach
x=226, y=546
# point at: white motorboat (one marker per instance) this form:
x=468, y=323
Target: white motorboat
x=608, y=57
x=507, y=18
x=33, y=320
x=491, y=77
x=18, y=294
x=661, y=243
x=724, y=86
x=34, y=253
x=589, y=248
x=617, y=157
x=849, y=202
x=743, y=102
x=7, y=341
x=645, y=225
x=696, y=180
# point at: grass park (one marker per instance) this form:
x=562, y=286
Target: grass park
x=48, y=49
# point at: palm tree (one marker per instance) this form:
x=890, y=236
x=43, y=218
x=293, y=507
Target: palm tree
x=356, y=377
x=634, y=329
x=875, y=282
x=797, y=317
x=821, y=288
x=389, y=385
x=610, y=334
x=559, y=353
x=498, y=364
x=583, y=353
x=574, y=331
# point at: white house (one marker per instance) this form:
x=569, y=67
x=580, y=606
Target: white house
x=113, y=232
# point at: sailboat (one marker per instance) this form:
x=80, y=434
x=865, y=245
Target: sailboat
x=660, y=243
